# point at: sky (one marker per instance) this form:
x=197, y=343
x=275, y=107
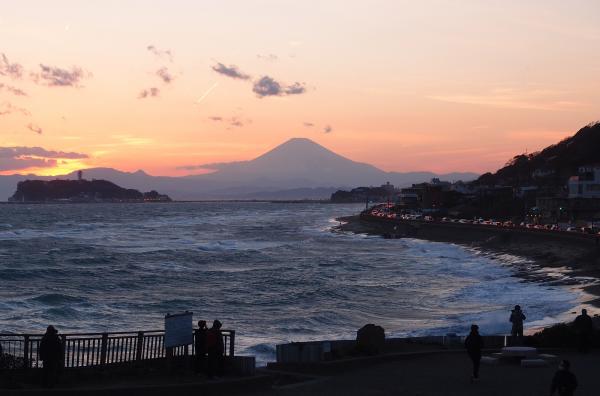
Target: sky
x=406, y=86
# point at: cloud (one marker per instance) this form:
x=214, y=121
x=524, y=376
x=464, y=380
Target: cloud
x=12, y=90
x=328, y=129
x=230, y=71
x=8, y=108
x=512, y=98
x=308, y=124
x=268, y=57
x=12, y=70
x=15, y=158
x=267, y=86
x=166, y=54
x=164, y=75
x=57, y=77
x=150, y=92
x=295, y=89
x=34, y=128
x=234, y=121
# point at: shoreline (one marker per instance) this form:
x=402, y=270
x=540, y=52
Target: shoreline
x=578, y=260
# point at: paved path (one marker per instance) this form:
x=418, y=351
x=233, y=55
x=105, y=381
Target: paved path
x=448, y=374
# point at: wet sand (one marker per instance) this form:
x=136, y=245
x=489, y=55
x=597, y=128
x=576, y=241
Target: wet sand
x=576, y=259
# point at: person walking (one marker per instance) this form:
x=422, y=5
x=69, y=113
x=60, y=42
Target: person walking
x=51, y=354
x=564, y=381
x=200, y=346
x=474, y=345
x=516, y=318
x=215, y=349
x=584, y=328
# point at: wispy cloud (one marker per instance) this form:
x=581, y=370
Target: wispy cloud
x=268, y=86
x=234, y=121
x=268, y=57
x=13, y=90
x=328, y=129
x=34, y=128
x=230, y=71
x=8, y=108
x=149, y=93
x=308, y=124
x=12, y=70
x=163, y=54
x=165, y=75
x=16, y=158
x=512, y=98
x=58, y=77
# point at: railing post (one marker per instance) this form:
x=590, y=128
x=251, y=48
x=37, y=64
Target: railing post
x=103, y=349
x=232, y=343
x=26, y=351
x=63, y=339
x=139, y=346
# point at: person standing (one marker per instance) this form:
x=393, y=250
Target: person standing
x=474, y=345
x=51, y=354
x=584, y=328
x=564, y=380
x=200, y=345
x=516, y=318
x=215, y=349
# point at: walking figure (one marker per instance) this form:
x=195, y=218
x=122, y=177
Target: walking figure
x=51, y=354
x=516, y=318
x=564, y=380
x=584, y=328
x=474, y=345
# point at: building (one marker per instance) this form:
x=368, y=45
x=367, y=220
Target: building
x=586, y=184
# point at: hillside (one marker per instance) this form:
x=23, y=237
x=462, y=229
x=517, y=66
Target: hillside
x=553, y=165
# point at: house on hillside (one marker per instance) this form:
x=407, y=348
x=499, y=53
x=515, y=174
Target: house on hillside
x=586, y=184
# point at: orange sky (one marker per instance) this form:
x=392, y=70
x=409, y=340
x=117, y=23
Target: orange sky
x=439, y=85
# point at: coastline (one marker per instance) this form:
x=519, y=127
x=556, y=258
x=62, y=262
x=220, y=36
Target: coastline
x=578, y=259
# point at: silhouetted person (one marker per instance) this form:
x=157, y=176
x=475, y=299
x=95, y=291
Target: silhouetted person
x=50, y=353
x=516, y=318
x=474, y=345
x=584, y=328
x=564, y=380
x=215, y=350
x=200, y=345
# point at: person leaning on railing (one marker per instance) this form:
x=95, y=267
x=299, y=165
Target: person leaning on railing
x=215, y=349
x=50, y=353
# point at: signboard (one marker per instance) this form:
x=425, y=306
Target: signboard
x=178, y=329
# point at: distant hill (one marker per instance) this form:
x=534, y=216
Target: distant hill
x=296, y=169
x=551, y=166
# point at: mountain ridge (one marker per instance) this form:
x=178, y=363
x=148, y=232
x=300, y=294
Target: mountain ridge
x=298, y=164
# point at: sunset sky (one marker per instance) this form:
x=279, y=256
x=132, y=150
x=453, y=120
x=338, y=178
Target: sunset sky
x=403, y=85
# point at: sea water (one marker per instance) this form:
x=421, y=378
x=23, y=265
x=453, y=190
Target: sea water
x=274, y=272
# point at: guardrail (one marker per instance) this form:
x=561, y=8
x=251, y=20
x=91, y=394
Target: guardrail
x=98, y=349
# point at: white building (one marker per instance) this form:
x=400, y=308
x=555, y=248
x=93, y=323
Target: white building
x=586, y=184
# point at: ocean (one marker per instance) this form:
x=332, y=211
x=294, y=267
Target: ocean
x=274, y=272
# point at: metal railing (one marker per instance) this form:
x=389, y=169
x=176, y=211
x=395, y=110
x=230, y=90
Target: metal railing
x=99, y=349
